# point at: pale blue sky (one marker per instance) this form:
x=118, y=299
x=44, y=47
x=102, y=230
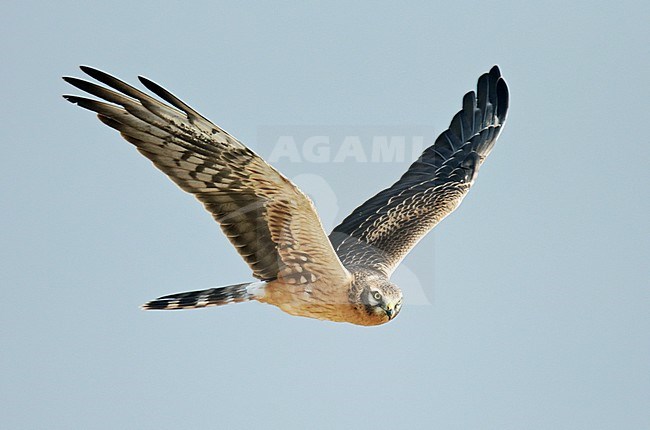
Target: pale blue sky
x=529, y=307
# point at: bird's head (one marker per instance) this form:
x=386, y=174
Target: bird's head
x=382, y=301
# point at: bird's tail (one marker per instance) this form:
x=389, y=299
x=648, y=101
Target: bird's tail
x=211, y=297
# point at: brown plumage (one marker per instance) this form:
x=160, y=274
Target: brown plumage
x=274, y=226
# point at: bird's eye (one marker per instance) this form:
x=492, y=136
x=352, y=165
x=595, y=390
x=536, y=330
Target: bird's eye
x=376, y=295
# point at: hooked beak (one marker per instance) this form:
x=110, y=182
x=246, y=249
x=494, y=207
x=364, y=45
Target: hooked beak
x=390, y=311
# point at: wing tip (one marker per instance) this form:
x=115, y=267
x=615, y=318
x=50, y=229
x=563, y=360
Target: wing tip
x=155, y=88
x=496, y=91
x=70, y=79
x=92, y=71
x=495, y=71
x=146, y=81
x=72, y=99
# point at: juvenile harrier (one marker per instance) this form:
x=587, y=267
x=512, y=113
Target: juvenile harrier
x=274, y=226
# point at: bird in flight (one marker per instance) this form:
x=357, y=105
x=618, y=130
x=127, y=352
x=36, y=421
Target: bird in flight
x=274, y=226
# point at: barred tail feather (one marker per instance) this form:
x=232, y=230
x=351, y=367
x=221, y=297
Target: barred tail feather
x=211, y=297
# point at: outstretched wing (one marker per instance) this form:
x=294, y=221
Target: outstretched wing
x=272, y=224
x=380, y=232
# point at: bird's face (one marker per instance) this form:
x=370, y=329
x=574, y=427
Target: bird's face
x=382, y=301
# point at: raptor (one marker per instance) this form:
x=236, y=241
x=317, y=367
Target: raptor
x=274, y=226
